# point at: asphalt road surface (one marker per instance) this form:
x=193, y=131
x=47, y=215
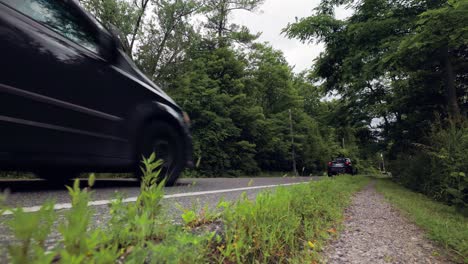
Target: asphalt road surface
x=30, y=194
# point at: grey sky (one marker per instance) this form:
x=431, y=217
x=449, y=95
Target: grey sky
x=273, y=16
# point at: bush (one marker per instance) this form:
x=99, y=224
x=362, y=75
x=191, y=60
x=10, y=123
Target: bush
x=439, y=167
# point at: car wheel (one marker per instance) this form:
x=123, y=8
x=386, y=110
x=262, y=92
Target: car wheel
x=330, y=174
x=166, y=142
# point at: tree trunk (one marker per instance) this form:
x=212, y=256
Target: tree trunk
x=160, y=50
x=221, y=23
x=450, y=90
x=137, y=26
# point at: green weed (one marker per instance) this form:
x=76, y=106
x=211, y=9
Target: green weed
x=289, y=224
x=285, y=224
x=136, y=233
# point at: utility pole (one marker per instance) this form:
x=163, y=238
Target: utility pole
x=292, y=143
x=342, y=140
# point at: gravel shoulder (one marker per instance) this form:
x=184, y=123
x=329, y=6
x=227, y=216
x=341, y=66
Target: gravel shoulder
x=375, y=232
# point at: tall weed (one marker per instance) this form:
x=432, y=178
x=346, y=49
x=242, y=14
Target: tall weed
x=289, y=223
x=438, y=167
x=136, y=232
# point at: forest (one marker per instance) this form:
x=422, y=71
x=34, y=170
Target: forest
x=391, y=84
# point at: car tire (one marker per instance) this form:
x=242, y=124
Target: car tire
x=330, y=174
x=56, y=176
x=166, y=142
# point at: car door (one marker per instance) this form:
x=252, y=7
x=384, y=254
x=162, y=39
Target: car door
x=54, y=85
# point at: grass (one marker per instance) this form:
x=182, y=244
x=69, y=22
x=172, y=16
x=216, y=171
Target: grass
x=286, y=225
x=16, y=175
x=441, y=222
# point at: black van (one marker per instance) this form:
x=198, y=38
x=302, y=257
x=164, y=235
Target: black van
x=72, y=101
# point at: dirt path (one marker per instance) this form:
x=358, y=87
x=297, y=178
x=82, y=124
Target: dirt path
x=376, y=233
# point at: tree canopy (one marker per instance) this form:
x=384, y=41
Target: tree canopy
x=403, y=63
x=397, y=70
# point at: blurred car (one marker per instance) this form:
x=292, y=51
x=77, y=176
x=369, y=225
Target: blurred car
x=72, y=101
x=340, y=166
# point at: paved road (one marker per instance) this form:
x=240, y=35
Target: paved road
x=31, y=193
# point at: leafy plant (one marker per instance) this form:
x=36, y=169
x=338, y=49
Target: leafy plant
x=291, y=224
x=31, y=229
x=282, y=225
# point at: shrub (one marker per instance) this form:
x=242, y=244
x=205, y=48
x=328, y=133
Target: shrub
x=439, y=167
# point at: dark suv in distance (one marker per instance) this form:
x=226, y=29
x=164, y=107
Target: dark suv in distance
x=72, y=101
x=340, y=165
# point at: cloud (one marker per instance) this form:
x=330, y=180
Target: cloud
x=273, y=16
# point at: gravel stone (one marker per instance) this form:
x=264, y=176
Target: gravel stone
x=375, y=232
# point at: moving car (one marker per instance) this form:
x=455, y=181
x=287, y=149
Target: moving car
x=72, y=101
x=340, y=165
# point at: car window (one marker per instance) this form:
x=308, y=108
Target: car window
x=58, y=16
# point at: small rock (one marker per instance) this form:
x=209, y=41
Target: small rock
x=376, y=233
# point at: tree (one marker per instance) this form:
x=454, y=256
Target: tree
x=166, y=37
x=403, y=62
x=238, y=92
x=218, y=11
x=442, y=34
x=119, y=13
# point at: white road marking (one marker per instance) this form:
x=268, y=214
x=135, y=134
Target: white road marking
x=133, y=199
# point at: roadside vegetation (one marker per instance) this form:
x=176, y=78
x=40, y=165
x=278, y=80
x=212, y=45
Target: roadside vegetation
x=15, y=175
x=289, y=224
x=237, y=90
x=397, y=71
x=405, y=63
x=390, y=81
x=442, y=223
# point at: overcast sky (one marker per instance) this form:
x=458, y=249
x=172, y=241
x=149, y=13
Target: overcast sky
x=273, y=16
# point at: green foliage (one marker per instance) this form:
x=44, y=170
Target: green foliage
x=74, y=229
x=239, y=103
x=436, y=28
x=199, y=216
x=442, y=223
x=291, y=223
x=220, y=29
x=136, y=232
x=237, y=92
x=119, y=13
x=403, y=64
x=438, y=168
x=31, y=229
